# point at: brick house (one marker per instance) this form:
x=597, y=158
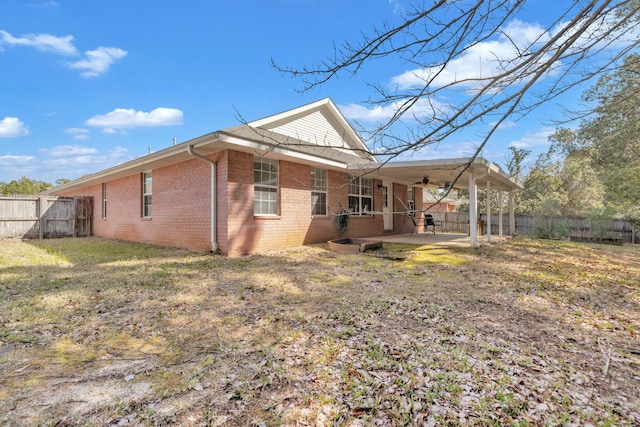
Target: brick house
x=432, y=201
x=272, y=183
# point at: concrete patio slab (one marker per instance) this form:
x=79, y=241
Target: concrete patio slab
x=451, y=240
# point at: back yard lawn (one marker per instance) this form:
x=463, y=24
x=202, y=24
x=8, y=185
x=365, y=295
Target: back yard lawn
x=529, y=332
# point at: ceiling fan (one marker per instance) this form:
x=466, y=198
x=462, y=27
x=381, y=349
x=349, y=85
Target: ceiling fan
x=440, y=186
x=424, y=181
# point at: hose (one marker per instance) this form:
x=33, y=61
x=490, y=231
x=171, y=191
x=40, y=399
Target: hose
x=342, y=221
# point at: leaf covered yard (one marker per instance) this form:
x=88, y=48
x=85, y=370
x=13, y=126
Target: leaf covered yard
x=528, y=332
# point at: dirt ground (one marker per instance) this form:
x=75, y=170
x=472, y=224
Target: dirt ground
x=527, y=332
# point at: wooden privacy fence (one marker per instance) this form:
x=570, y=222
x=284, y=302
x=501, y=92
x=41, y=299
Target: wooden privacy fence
x=38, y=217
x=550, y=227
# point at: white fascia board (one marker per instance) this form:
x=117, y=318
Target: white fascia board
x=287, y=114
x=371, y=166
x=480, y=168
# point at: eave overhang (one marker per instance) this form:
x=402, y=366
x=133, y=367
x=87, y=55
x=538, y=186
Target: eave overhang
x=439, y=172
x=256, y=143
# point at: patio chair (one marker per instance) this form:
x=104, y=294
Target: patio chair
x=429, y=222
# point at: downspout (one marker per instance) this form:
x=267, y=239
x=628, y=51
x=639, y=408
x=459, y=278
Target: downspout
x=214, y=239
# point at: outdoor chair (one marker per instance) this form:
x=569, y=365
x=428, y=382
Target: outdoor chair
x=429, y=222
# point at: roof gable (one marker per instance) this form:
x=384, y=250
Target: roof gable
x=320, y=124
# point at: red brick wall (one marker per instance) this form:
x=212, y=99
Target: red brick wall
x=359, y=226
x=180, y=208
x=439, y=207
x=222, y=200
x=294, y=225
x=249, y=233
x=242, y=234
x=402, y=223
x=182, y=203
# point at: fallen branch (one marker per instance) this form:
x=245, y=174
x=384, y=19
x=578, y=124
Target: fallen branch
x=607, y=359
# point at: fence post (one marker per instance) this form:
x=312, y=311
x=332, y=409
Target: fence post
x=40, y=208
x=74, y=209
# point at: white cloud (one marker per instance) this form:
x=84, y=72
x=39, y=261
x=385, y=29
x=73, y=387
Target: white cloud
x=537, y=139
x=64, y=161
x=12, y=167
x=452, y=150
x=11, y=160
x=98, y=61
x=112, y=131
x=621, y=35
x=68, y=151
x=523, y=34
x=362, y=113
x=482, y=60
x=94, y=63
x=421, y=110
x=118, y=153
x=73, y=161
x=121, y=118
x=42, y=42
x=11, y=127
x=398, y=8
x=487, y=59
x=507, y=124
x=79, y=133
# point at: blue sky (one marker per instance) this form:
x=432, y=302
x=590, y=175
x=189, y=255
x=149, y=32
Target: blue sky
x=86, y=85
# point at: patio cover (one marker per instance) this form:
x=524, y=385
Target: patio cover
x=461, y=173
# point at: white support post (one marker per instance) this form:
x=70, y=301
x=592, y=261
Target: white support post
x=500, y=197
x=512, y=214
x=488, y=211
x=473, y=211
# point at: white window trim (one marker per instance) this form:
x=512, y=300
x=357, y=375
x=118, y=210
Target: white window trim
x=411, y=200
x=358, y=181
x=269, y=186
x=145, y=194
x=104, y=200
x=320, y=190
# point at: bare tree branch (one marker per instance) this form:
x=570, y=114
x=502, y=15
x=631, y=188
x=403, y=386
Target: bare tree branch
x=583, y=39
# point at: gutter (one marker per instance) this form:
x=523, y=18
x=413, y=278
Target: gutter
x=214, y=221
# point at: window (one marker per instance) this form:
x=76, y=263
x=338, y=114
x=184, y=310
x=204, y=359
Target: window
x=265, y=189
x=104, y=200
x=318, y=191
x=410, y=201
x=146, y=194
x=360, y=195
x=385, y=197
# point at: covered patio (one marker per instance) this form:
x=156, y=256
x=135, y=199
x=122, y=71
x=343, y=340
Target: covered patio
x=443, y=175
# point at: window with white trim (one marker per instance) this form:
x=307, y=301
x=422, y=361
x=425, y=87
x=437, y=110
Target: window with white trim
x=360, y=195
x=318, y=191
x=265, y=188
x=104, y=200
x=146, y=194
x=385, y=196
x=411, y=201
